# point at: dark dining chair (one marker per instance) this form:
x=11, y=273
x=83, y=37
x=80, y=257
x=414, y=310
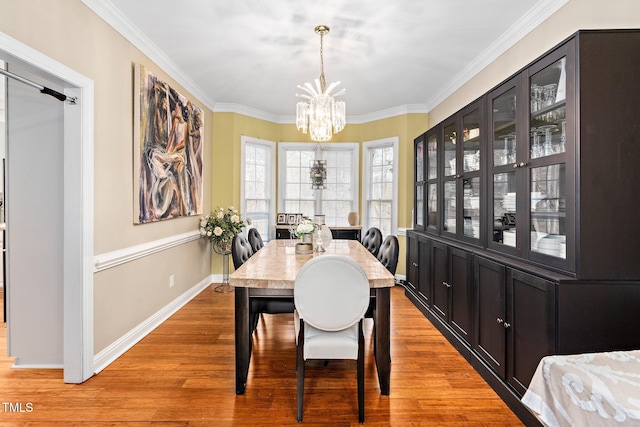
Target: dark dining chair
x=388, y=253
x=241, y=250
x=372, y=240
x=255, y=240
x=327, y=327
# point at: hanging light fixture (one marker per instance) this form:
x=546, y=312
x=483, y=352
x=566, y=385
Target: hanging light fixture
x=318, y=171
x=321, y=114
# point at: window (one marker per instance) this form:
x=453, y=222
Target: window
x=258, y=184
x=380, y=185
x=294, y=185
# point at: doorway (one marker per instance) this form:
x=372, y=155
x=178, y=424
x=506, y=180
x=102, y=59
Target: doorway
x=74, y=299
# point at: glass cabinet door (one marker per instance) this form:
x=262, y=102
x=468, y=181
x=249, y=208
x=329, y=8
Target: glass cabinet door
x=450, y=150
x=418, y=222
x=548, y=215
x=471, y=197
x=547, y=148
x=431, y=183
x=471, y=128
x=504, y=165
x=548, y=111
x=450, y=182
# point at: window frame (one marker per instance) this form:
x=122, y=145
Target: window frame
x=352, y=147
x=271, y=181
x=367, y=146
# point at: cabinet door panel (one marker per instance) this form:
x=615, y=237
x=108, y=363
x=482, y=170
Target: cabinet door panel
x=425, y=284
x=439, y=263
x=461, y=293
x=490, y=313
x=531, y=335
x=412, y=262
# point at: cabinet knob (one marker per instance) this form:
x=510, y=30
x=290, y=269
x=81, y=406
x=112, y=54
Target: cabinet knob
x=446, y=284
x=458, y=176
x=515, y=166
x=522, y=164
x=499, y=320
x=506, y=325
x=415, y=264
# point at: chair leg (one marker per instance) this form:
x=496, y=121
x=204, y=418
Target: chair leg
x=361, y=375
x=300, y=369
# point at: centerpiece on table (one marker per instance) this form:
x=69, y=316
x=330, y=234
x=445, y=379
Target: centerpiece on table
x=304, y=231
x=219, y=227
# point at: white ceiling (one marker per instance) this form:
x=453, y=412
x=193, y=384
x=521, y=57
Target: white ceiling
x=252, y=54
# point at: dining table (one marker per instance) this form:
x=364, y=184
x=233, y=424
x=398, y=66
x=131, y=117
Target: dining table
x=272, y=271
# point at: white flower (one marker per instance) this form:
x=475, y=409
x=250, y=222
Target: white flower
x=208, y=234
x=203, y=221
x=217, y=231
x=220, y=215
x=249, y=221
x=305, y=228
x=203, y=232
x=235, y=218
x=232, y=209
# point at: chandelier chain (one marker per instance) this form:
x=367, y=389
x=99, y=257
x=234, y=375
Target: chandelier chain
x=323, y=83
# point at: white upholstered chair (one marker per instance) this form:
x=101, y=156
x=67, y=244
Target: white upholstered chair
x=331, y=296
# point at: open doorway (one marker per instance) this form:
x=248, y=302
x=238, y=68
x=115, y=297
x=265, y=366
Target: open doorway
x=75, y=244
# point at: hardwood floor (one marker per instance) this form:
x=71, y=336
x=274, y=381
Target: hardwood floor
x=183, y=373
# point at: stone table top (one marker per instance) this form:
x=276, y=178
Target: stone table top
x=276, y=265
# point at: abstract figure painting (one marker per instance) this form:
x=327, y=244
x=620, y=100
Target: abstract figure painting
x=168, y=151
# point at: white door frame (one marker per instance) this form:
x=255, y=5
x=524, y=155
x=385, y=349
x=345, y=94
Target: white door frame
x=77, y=244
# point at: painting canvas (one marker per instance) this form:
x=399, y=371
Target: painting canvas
x=168, y=180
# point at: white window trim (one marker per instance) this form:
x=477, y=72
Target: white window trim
x=283, y=147
x=366, y=169
x=271, y=145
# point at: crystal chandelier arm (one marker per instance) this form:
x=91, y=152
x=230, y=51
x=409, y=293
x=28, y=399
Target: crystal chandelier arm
x=332, y=86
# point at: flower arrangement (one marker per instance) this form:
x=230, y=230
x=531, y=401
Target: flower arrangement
x=221, y=225
x=306, y=226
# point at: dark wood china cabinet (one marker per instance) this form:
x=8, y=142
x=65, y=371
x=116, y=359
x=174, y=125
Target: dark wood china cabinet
x=524, y=242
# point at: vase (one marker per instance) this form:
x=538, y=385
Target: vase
x=224, y=249
x=353, y=218
x=306, y=238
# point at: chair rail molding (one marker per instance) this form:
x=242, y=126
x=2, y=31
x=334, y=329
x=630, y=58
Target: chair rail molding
x=121, y=256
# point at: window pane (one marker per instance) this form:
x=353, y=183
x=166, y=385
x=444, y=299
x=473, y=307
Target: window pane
x=380, y=191
x=336, y=200
x=257, y=197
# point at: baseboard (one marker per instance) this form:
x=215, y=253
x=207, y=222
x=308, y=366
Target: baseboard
x=120, y=346
x=16, y=365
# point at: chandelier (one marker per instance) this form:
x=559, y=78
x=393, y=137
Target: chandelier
x=321, y=114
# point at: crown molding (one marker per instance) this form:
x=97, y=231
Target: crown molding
x=514, y=34
x=290, y=119
x=222, y=107
x=112, y=16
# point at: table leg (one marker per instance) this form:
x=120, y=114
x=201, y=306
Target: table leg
x=382, y=319
x=243, y=338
